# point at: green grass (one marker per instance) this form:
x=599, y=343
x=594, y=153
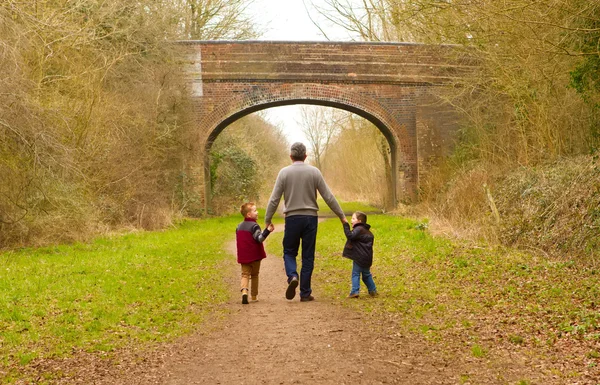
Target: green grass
x=477, y=351
x=438, y=288
x=112, y=292
x=145, y=287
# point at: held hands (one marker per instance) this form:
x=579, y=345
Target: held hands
x=344, y=220
x=271, y=227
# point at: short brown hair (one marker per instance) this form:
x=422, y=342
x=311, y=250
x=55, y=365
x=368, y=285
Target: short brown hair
x=245, y=208
x=362, y=217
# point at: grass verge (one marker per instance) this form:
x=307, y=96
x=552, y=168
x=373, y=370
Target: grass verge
x=472, y=297
x=112, y=292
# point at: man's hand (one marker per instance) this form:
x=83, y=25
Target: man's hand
x=344, y=220
x=271, y=227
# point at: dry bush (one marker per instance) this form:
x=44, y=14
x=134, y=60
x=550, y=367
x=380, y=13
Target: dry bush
x=553, y=207
x=95, y=131
x=463, y=206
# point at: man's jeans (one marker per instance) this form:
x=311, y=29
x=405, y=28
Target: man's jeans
x=366, y=277
x=300, y=227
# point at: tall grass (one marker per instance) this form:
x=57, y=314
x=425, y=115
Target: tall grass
x=113, y=292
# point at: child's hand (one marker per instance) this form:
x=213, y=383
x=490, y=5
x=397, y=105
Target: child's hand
x=344, y=220
x=271, y=227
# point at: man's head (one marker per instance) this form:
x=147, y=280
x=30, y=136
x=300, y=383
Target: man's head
x=248, y=210
x=359, y=217
x=298, y=152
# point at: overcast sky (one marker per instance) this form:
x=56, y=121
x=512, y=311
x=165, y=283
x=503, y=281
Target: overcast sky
x=289, y=20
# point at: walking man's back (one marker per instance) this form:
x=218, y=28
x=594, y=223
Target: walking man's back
x=298, y=184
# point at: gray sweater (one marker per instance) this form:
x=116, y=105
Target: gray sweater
x=299, y=183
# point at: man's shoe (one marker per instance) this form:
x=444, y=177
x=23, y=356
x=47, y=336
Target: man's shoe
x=245, y=298
x=374, y=294
x=355, y=295
x=306, y=299
x=290, y=293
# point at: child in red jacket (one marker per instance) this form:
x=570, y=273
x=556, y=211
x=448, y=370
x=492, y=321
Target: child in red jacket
x=250, y=249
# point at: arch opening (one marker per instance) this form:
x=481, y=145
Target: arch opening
x=263, y=106
x=390, y=196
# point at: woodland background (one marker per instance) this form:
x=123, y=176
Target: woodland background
x=96, y=134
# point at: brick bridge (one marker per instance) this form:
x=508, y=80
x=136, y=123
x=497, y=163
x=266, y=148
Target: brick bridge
x=393, y=85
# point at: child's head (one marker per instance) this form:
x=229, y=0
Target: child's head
x=248, y=210
x=359, y=217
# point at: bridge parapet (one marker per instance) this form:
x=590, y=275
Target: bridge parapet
x=344, y=62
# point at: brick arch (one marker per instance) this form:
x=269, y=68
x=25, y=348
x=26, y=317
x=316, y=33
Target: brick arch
x=393, y=85
x=364, y=106
x=316, y=94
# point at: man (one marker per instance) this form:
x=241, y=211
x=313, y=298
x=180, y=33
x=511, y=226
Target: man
x=299, y=183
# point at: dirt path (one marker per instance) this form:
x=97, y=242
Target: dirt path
x=276, y=341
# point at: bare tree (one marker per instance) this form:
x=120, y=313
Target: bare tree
x=320, y=125
x=216, y=19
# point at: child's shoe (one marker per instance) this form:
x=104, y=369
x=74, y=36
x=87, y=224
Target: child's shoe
x=374, y=293
x=245, y=297
x=254, y=299
x=355, y=295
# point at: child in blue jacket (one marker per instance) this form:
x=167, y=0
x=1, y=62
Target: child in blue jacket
x=359, y=248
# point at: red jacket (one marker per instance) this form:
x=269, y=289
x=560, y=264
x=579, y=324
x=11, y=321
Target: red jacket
x=249, y=239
